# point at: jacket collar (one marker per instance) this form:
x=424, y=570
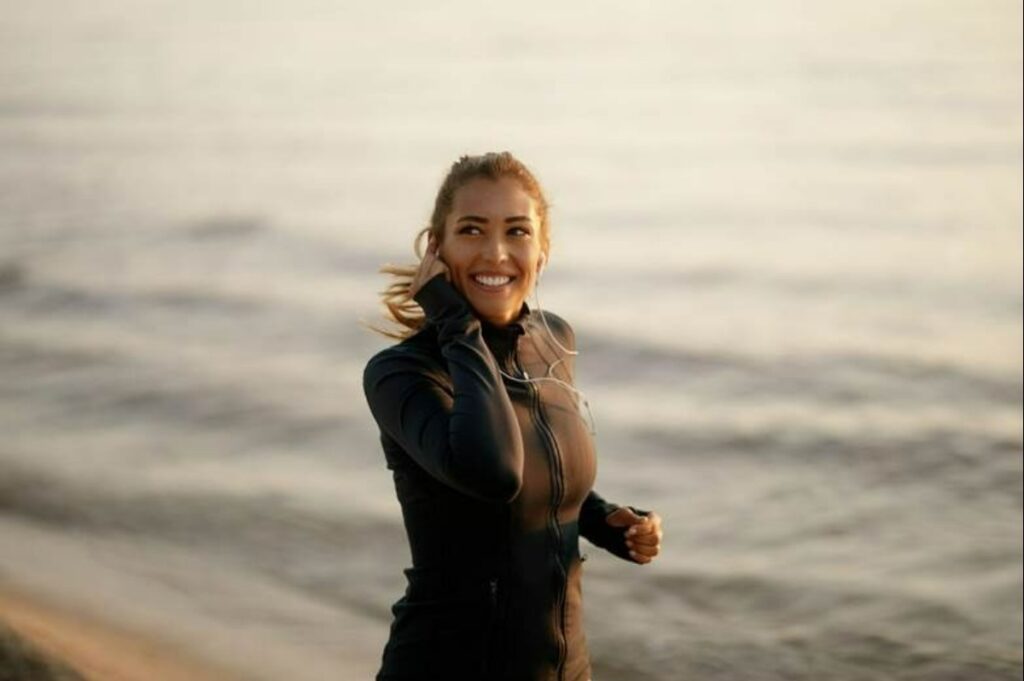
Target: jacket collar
x=502, y=340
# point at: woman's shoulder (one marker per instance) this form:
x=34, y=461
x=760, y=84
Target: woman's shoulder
x=562, y=330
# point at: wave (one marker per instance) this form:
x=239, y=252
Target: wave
x=728, y=625
x=968, y=465
x=971, y=298
x=791, y=600
x=835, y=377
x=77, y=388
x=335, y=557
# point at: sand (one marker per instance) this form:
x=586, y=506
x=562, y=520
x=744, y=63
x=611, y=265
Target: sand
x=172, y=608
x=95, y=649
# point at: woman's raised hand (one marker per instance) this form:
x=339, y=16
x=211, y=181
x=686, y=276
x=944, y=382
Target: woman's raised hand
x=643, y=533
x=430, y=266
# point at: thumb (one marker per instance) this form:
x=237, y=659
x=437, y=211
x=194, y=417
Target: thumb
x=624, y=517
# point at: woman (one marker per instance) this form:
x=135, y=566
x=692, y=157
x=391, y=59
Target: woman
x=492, y=461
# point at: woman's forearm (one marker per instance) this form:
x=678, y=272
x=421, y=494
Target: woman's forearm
x=468, y=438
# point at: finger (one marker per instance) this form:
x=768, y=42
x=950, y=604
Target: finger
x=430, y=264
x=634, y=527
x=626, y=518
x=652, y=550
x=639, y=529
x=649, y=524
x=643, y=556
x=645, y=551
x=643, y=540
x=646, y=533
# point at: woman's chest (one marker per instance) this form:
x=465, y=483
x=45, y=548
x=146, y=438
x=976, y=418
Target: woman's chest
x=560, y=463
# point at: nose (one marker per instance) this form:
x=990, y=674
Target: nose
x=495, y=250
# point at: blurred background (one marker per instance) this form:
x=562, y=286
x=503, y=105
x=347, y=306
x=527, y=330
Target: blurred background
x=788, y=235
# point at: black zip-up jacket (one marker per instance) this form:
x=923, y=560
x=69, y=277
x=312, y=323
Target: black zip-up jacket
x=494, y=479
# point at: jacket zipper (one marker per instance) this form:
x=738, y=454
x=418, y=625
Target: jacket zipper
x=556, y=501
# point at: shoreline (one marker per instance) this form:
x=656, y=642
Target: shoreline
x=97, y=649
x=153, y=600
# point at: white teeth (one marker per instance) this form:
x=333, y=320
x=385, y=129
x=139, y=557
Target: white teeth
x=492, y=281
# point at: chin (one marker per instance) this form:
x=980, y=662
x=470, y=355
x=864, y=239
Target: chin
x=492, y=315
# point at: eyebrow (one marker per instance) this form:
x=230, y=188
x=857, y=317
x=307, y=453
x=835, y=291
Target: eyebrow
x=477, y=218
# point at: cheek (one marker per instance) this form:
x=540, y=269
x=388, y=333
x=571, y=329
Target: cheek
x=452, y=258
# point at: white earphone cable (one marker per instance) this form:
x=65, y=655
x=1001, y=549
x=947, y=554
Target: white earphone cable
x=578, y=394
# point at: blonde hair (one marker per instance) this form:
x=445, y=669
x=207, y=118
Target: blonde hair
x=400, y=308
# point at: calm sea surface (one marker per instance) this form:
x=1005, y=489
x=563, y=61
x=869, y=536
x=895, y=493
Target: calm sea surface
x=788, y=235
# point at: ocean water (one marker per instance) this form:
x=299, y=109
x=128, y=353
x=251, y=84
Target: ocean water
x=788, y=237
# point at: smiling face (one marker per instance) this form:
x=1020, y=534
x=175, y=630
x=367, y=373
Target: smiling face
x=492, y=245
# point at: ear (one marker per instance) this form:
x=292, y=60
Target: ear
x=541, y=263
x=437, y=248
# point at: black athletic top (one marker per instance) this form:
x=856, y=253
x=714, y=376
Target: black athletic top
x=494, y=479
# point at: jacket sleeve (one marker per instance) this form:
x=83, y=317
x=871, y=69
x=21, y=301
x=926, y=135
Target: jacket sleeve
x=594, y=527
x=468, y=439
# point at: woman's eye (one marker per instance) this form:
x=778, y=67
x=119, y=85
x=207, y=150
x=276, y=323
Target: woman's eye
x=473, y=229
